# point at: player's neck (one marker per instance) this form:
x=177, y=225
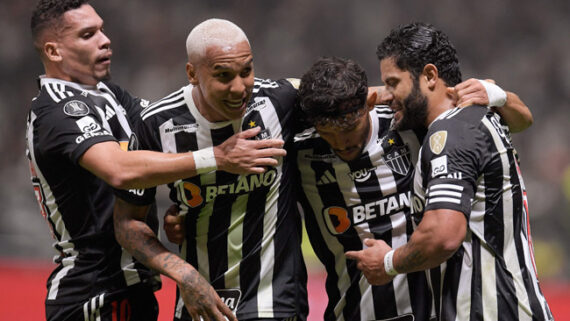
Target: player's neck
x=438, y=104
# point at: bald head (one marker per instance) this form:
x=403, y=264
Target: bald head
x=212, y=33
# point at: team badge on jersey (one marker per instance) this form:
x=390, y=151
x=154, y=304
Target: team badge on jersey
x=76, y=108
x=437, y=141
x=398, y=160
x=397, y=154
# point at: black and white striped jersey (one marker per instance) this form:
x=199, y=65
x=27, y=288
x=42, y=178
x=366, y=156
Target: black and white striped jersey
x=369, y=197
x=468, y=164
x=243, y=232
x=65, y=120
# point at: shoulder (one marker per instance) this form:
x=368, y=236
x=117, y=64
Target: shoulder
x=70, y=106
x=166, y=106
x=459, y=120
x=306, y=136
x=456, y=133
x=467, y=115
x=276, y=88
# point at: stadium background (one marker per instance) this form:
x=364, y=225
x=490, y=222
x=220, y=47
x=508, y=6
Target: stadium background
x=522, y=44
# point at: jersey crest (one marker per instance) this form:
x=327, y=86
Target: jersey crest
x=437, y=141
x=76, y=108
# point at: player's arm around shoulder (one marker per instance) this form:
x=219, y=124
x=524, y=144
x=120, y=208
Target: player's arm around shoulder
x=512, y=109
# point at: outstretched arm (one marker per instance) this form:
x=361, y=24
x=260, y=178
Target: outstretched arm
x=136, y=237
x=143, y=169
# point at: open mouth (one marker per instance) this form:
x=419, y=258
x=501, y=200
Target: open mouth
x=235, y=103
x=104, y=59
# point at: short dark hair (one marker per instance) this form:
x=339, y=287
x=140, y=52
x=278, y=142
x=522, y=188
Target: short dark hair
x=47, y=14
x=332, y=88
x=417, y=44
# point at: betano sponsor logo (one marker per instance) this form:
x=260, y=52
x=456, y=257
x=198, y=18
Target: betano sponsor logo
x=193, y=195
x=339, y=219
x=244, y=185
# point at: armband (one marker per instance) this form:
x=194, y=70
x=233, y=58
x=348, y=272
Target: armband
x=497, y=96
x=205, y=160
x=389, y=263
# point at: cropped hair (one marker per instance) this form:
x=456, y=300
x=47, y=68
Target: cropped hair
x=417, y=44
x=332, y=88
x=48, y=13
x=213, y=32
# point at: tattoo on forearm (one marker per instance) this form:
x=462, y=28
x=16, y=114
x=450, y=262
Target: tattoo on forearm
x=412, y=261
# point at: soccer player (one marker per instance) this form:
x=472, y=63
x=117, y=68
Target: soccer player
x=76, y=127
x=469, y=195
x=356, y=175
x=243, y=232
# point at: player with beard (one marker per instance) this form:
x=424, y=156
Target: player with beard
x=356, y=174
x=469, y=196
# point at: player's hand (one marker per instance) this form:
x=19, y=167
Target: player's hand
x=201, y=300
x=174, y=225
x=470, y=92
x=371, y=261
x=241, y=155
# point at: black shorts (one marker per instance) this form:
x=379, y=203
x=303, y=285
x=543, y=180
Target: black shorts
x=134, y=305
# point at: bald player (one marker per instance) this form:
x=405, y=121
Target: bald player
x=243, y=232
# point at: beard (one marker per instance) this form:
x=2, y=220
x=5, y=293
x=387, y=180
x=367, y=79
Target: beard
x=414, y=110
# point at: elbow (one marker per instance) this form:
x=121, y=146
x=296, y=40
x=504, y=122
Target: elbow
x=446, y=248
x=444, y=245
x=121, y=179
x=525, y=123
x=529, y=120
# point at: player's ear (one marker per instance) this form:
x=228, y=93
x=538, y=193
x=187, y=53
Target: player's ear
x=51, y=51
x=431, y=75
x=191, y=73
x=371, y=99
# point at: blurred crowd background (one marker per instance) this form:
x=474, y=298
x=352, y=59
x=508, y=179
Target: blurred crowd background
x=522, y=44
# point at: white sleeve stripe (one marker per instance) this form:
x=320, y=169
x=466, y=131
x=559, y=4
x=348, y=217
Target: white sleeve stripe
x=447, y=186
x=162, y=103
x=157, y=110
x=445, y=193
x=52, y=94
x=444, y=200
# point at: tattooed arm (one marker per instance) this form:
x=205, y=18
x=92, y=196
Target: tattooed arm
x=136, y=237
x=436, y=238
